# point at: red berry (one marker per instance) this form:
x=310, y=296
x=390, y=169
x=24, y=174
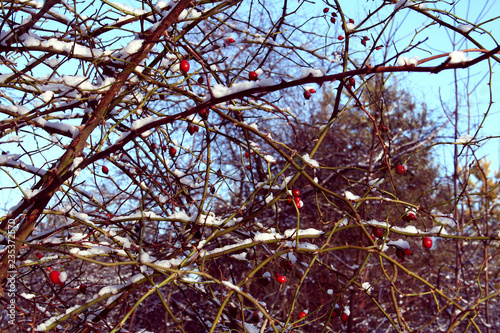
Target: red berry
x=363, y=42
x=352, y=82
x=325, y=10
x=39, y=255
x=281, y=279
x=400, y=253
x=408, y=252
x=82, y=289
x=54, y=277
x=248, y=167
x=382, y=128
x=296, y=192
x=366, y=38
x=307, y=94
x=351, y=21
x=164, y=147
x=410, y=216
x=400, y=169
x=230, y=40
x=378, y=47
x=172, y=151
x=378, y=232
x=105, y=169
x=184, y=66
x=200, y=80
x=333, y=20
x=286, y=264
x=341, y=37
x=153, y=146
x=373, y=237
x=344, y=317
x=297, y=200
x=255, y=316
x=253, y=76
x=204, y=113
x=264, y=281
x=427, y=242
x=312, y=91
x=302, y=314
x=289, y=200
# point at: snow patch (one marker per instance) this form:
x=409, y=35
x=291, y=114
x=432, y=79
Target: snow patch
x=464, y=139
x=405, y=61
x=465, y=28
x=231, y=286
x=350, y=196
x=311, y=72
x=310, y=161
x=457, y=57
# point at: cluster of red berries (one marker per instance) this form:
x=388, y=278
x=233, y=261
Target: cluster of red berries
x=351, y=83
x=401, y=253
x=338, y=312
x=364, y=40
x=296, y=198
x=308, y=93
x=192, y=129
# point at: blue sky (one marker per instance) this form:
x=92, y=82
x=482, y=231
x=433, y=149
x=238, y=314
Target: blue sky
x=438, y=91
